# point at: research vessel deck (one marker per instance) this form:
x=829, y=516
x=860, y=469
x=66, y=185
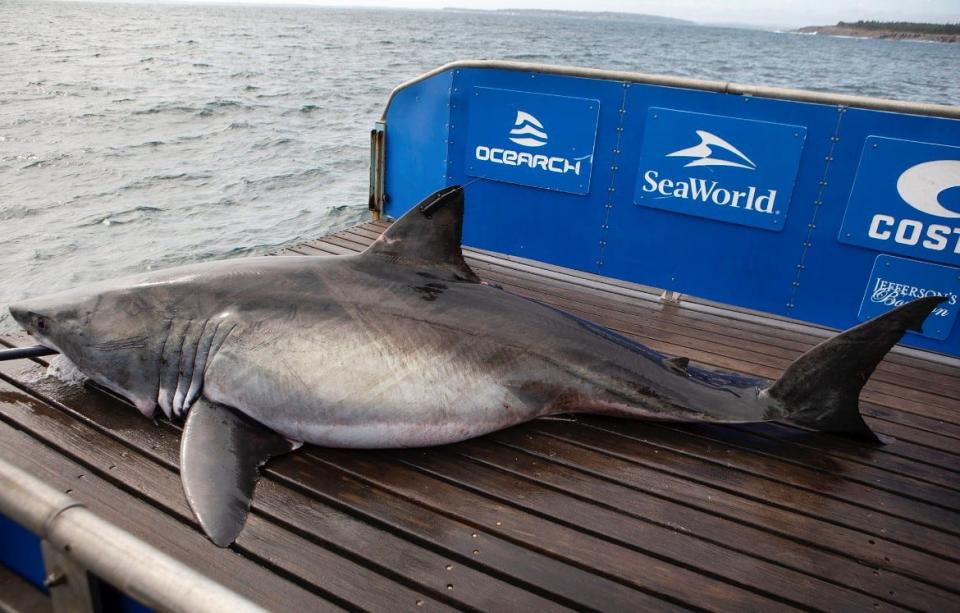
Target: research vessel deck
x=585, y=513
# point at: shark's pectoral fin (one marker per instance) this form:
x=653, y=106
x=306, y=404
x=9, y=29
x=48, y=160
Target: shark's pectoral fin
x=220, y=453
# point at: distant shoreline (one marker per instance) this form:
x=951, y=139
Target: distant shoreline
x=885, y=31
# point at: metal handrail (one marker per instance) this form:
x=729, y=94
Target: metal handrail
x=724, y=87
x=129, y=564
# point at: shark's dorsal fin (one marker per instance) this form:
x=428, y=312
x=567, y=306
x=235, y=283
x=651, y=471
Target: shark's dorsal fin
x=221, y=451
x=677, y=365
x=428, y=235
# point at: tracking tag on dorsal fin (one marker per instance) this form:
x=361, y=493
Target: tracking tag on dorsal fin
x=428, y=235
x=677, y=365
x=221, y=451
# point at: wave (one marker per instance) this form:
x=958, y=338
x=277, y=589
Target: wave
x=214, y=106
x=123, y=217
x=166, y=107
x=43, y=162
x=16, y=211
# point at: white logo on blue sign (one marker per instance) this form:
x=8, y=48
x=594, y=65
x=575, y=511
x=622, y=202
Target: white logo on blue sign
x=920, y=186
x=896, y=281
x=906, y=199
x=715, y=178
x=541, y=140
x=703, y=153
x=529, y=131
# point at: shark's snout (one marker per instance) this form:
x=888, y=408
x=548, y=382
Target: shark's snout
x=19, y=313
x=34, y=318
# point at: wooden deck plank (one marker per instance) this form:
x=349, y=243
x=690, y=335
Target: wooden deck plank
x=712, y=470
x=527, y=568
x=554, y=464
x=618, y=563
x=631, y=467
x=587, y=514
x=680, y=548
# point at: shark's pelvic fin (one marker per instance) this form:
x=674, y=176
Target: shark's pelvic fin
x=220, y=453
x=428, y=235
x=820, y=390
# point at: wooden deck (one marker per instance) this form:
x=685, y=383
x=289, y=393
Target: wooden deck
x=599, y=514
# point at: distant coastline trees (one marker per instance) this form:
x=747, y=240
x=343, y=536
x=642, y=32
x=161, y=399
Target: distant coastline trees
x=902, y=26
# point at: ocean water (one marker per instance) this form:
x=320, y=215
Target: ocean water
x=140, y=136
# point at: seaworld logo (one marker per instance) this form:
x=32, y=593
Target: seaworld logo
x=750, y=198
x=702, y=153
x=528, y=131
x=920, y=186
x=893, y=294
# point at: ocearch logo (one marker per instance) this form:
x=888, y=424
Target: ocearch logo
x=529, y=132
x=920, y=186
x=753, y=198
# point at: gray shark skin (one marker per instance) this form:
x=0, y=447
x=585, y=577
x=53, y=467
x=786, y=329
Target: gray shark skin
x=399, y=346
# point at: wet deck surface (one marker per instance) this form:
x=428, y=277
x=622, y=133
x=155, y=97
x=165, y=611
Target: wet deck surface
x=589, y=514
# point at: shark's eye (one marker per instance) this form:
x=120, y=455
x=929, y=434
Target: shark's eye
x=42, y=323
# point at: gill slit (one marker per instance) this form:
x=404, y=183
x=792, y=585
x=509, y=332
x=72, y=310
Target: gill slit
x=163, y=347
x=183, y=341
x=200, y=363
x=184, y=383
x=214, y=350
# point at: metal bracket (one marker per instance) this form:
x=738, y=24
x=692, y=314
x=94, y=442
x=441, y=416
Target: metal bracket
x=378, y=152
x=671, y=296
x=72, y=588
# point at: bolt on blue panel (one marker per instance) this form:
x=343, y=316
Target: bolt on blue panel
x=906, y=199
x=896, y=281
x=723, y=168
x=540, y=140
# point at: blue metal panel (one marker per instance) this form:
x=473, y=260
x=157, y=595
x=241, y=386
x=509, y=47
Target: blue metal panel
x=796, y=263
x=557, y=227
x=20, y=552
x=688, y=168
x=837, y=274
x=900, y=200
x=895, y=281
x=540, y=140
x=416, y=155
x=708, y=258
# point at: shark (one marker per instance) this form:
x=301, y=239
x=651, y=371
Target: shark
x=401, y=345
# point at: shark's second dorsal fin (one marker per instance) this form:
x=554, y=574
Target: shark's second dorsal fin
x=428, y=235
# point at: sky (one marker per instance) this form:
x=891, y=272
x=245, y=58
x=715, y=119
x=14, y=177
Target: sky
x=757, y=12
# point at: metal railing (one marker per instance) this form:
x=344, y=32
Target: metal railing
x=722, y=87
x=76, y=542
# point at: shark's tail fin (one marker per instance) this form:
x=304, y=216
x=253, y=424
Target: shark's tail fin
x=820, y=390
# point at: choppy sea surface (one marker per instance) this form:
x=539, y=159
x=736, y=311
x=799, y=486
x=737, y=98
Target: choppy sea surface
x=140, y=136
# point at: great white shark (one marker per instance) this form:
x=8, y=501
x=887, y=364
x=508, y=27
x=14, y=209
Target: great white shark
x=399, y=346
